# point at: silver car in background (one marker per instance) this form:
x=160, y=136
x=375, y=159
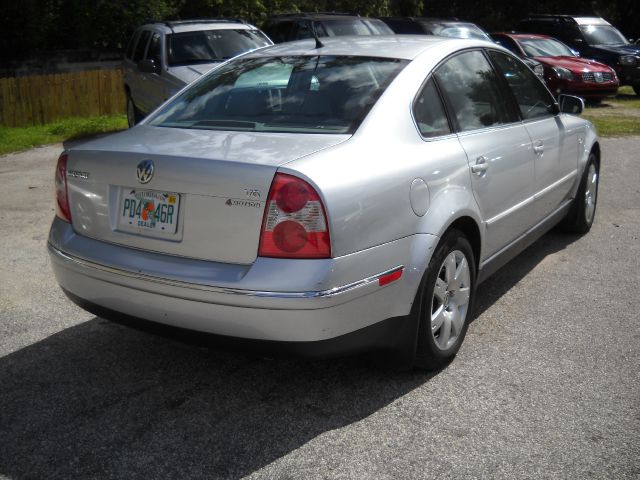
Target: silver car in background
x=326, y=197
x=162, y=58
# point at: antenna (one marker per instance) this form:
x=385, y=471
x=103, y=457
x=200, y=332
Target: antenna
x=319, y=44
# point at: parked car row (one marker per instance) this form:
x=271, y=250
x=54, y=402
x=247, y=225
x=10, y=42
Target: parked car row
x=162, y=58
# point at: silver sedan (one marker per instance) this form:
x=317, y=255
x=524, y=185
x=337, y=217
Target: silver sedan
x=326, y=197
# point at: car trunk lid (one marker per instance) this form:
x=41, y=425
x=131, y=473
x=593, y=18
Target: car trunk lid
x=216, y=182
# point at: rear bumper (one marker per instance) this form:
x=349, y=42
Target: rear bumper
x=270, y=300
x=387, y=335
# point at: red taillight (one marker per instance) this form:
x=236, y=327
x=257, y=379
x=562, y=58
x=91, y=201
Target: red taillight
x=295, y=224
x=62, y=195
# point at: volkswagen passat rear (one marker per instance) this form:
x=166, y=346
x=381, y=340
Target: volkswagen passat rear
x=323, y=198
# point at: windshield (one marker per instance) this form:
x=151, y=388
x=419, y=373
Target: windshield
x=339, y=27
x=318, y=94
x=459, y=30
x=602, y=35
x=544, y=47
x=205, y=46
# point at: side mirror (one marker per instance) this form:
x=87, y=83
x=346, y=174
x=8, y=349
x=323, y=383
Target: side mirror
x=148, y=66
x=570, y=104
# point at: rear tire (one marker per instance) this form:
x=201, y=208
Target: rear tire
x=583, y=209
x=636, y=88
x=446, y=301
x=133, y=114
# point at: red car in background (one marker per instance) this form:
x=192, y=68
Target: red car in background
x=564, y=70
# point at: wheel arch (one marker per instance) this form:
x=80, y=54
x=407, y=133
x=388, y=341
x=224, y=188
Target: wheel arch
x=595, y=149
x=470, y=228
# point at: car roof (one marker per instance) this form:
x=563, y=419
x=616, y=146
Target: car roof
x=317, y=16
x=580, y=20
x=405, y=47
x=198, y=25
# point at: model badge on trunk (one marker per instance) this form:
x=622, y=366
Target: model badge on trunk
x=242, y=203
x=145, y=171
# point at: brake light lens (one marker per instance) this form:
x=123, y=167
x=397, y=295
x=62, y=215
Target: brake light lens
x=295, y=223
x=62, y=194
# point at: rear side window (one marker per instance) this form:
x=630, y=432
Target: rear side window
x=279, y=31
x=141, y=46
x=153, y=53
x=401, y=25
x=534, y=101
x=473, y=90
x=302, y=30
x=132, y=44
x=429, y=113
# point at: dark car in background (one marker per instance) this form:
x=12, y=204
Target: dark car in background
x=591, y=37
x=452, y=28
x=287, y=27
x=564, y=71
x=441, y=27
x=161, y=58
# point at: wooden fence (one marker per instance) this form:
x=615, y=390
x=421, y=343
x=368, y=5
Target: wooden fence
x=39, y=99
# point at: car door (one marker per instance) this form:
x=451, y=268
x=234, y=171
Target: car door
x=130, y=69
x=156, y=91
x=497, y=146
x=137, y=84
x=555, y=148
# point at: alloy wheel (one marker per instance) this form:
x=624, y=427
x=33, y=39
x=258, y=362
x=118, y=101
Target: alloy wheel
x=450, y=301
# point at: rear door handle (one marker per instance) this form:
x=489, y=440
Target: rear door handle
x=538, y=147
x=481, y=166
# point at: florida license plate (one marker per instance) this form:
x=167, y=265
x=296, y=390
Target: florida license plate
x=149, y=210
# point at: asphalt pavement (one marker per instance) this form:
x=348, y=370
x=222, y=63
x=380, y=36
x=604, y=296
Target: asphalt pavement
x=546, y=385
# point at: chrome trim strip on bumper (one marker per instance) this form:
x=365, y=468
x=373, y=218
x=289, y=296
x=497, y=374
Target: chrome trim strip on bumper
x=333, y=292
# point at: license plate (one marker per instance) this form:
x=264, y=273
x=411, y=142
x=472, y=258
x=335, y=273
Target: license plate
x=149, y=210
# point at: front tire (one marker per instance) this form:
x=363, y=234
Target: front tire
x=446, y=301
x=583, y=210
x=636, y=88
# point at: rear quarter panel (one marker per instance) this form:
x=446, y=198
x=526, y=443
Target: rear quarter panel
x=365, y=182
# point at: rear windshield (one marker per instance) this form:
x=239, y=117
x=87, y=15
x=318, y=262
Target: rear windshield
x=315, y=94
x=205, y=46
x=544, y=47
x=602, y=35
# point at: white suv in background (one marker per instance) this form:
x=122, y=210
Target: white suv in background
x=161, y=58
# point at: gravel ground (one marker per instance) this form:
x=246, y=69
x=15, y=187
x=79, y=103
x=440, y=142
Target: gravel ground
x=546, y=385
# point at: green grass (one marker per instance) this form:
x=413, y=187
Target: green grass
x=626, y=98
x=615, y=126
x=618, y=116
x=24, y=138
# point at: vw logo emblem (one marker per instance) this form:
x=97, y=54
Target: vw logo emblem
x=145, y=171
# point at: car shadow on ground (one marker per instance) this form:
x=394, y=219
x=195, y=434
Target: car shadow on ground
x=509, y=275
x=104, y=400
